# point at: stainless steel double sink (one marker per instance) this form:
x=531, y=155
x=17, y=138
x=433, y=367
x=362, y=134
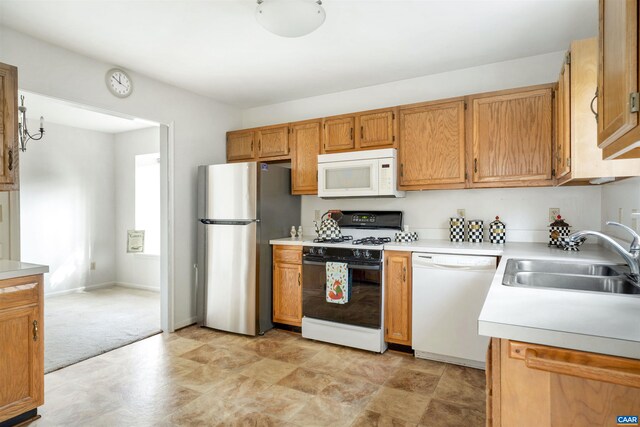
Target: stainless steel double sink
x=608, y=278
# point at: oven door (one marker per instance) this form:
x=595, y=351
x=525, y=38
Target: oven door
x=355, y=178
x=365, y=305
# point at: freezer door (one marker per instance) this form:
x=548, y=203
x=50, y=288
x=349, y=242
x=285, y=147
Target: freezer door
x=230, y=277
x=230, y=191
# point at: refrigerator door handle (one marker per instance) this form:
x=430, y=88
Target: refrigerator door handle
x=228, y=222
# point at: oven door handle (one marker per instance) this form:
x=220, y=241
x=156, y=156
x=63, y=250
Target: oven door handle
x=352, y=266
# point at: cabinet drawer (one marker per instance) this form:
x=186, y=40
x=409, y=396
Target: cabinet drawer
x=19, y=291
x=287, y=254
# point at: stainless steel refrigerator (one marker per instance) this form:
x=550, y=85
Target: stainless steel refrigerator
x=241, y=206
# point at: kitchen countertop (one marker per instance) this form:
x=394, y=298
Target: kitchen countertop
x=10, y=269
x=587, y=321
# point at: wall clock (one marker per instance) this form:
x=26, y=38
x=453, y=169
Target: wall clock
x=119, y=83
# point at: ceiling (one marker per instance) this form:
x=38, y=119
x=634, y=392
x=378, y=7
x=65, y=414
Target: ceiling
x=216, y=48
x=67, y=114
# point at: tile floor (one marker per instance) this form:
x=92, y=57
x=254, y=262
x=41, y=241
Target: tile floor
x=199, y=377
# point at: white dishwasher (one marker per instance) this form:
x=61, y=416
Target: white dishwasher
x=448, y=294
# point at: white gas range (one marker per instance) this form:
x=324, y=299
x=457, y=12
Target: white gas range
x=359, y=322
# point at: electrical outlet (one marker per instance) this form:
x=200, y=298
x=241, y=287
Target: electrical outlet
x=317, y=215
x=461, y=213
x=553, y=214
x=93, y=265
x=634, y=219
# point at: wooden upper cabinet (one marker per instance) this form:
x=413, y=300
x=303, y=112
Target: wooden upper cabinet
x=432, y=145
x=376, y=129
x=562, y=156
x=8, y=127
x=305, y=143
x=397, y=305
x=338, y=134
x=618, y=77
x=511, y=134
x=240, y=145
x=273, y=142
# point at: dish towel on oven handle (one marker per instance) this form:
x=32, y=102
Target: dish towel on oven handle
x=338, y=287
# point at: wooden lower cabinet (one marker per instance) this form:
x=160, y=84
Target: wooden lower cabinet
x=397, y=294
x=538, y=386
x=287, y=285
x=21, y=346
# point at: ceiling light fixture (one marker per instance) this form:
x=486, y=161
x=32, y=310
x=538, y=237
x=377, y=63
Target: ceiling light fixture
x=290, y=18
x=23, y=133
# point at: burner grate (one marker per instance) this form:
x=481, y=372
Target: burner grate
x=333, y=240
x=372, y=241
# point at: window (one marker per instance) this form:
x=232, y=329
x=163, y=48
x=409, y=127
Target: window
x=147, y=200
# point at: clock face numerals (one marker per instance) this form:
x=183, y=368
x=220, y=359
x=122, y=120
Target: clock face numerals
x=119, y=83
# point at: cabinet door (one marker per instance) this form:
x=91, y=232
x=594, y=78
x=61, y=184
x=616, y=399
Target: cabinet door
x=617, y=69
x=273, y=142
x=377, y=130
x=240, y=146
x=287, y=294
x=397, y=310
x=563, y=122
x=305, y=143
x=431, y=148
x=511, y=135
x=338, y=134
x=8, y=127
x=547, y=386
x=21, y=361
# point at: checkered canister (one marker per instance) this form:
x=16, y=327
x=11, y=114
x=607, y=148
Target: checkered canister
x=476, y=231
x=558, y=230
x=497, y=232
x=456, y=229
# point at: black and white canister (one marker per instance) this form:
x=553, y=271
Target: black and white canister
x=456, y=229
x=558, y=230
x=476, y=231
x=497, y=232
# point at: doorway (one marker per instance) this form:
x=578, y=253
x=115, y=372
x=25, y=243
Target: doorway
x=92, y=182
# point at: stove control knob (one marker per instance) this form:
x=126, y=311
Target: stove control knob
x=366, y=253
x=320, y=250
x=312, y=250
x=356, y=253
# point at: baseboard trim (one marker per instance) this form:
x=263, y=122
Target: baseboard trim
x=137, y=286
x=184, y=323
x=79, y=289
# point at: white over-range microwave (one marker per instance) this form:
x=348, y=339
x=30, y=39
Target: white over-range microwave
x=370, y=173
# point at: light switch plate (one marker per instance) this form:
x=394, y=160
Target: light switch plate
x=317, y=215
x=553, y=214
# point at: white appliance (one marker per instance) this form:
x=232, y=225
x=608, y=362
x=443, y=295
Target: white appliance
x=448, y=294
x=369, y=173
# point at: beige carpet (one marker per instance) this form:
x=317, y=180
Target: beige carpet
x=85, y=324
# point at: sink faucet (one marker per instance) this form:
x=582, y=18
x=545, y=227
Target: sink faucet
x=632, y=257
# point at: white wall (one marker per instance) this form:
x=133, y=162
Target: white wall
x=623, y=195
x=524, y=211
x=503, y=75
x=133, y=270
x=66, y=199
x=199, y=129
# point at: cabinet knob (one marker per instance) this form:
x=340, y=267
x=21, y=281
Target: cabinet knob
x=35, y=330
x=299, y=279
x=404, y=274
x=10, y=161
